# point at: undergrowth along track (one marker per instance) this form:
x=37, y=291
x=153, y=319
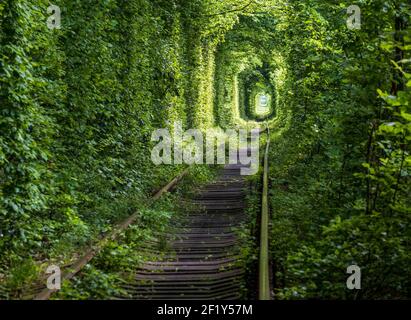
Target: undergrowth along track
x=204, y=251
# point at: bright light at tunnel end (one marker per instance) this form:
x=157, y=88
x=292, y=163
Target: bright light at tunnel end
x=178, y=147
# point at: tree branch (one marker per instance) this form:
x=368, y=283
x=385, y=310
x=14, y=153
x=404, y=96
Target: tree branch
x=230, y=11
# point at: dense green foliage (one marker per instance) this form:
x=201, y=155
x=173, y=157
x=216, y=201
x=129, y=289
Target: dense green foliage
x=341, y=173
x=78, y=106
x=144, y=241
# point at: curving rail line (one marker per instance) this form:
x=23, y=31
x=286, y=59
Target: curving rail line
x=264, y=275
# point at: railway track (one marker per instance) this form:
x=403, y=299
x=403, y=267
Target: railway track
x=204, y=251
x=203, y=257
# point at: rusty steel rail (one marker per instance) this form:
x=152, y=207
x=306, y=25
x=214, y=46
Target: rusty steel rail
x=264, y=276
x=46, y=293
